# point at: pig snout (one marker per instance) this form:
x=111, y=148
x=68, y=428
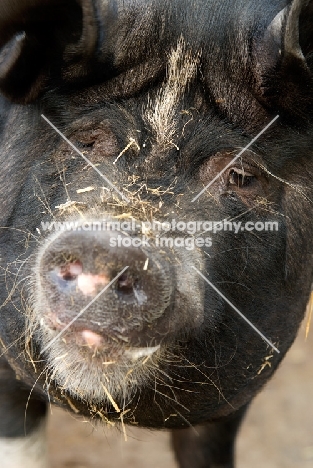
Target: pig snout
x=106, y=314
x=103, y=294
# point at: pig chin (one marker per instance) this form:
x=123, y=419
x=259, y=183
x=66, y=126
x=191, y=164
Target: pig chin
x=94, y=366
x=84, y=367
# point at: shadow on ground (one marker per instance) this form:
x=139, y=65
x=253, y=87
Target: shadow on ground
x=277, y=432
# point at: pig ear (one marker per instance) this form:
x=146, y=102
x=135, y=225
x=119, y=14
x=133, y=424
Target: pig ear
x=284, y=61
x=42, y=38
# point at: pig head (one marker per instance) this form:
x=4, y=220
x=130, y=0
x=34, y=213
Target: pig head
x=177, y=117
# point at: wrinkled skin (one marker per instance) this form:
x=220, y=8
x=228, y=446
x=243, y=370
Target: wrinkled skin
x=160, y=96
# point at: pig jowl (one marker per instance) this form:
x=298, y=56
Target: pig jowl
x=155, y=253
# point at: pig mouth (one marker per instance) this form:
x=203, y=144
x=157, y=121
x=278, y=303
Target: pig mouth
x=90, y=341
x=89, y=366
x=85, y=366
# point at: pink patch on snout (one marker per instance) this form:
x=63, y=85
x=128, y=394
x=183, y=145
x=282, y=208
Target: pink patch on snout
x=71, y=270
x=91, y=338
x=87, y=284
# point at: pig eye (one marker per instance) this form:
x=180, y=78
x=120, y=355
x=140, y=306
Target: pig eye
x=83, y=145
x=86, y=141
x=98, y=140
x=240, y=178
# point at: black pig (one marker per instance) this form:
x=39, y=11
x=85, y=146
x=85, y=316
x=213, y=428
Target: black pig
x=117, y=117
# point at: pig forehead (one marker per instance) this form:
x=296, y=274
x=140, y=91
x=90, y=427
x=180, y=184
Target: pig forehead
x=161, y=110
x=159, y=106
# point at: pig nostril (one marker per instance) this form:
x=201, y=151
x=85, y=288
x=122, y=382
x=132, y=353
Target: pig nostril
x=66, y=275
x=126, y=284
x=70, y=271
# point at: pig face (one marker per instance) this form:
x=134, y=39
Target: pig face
x=135, y=223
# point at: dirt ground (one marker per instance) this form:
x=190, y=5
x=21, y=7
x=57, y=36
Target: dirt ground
x=277, y=433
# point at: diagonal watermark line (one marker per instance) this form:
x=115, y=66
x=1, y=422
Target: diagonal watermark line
x=86, y=159
x=235, y=159
x=83, y=311
x=237, y=310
